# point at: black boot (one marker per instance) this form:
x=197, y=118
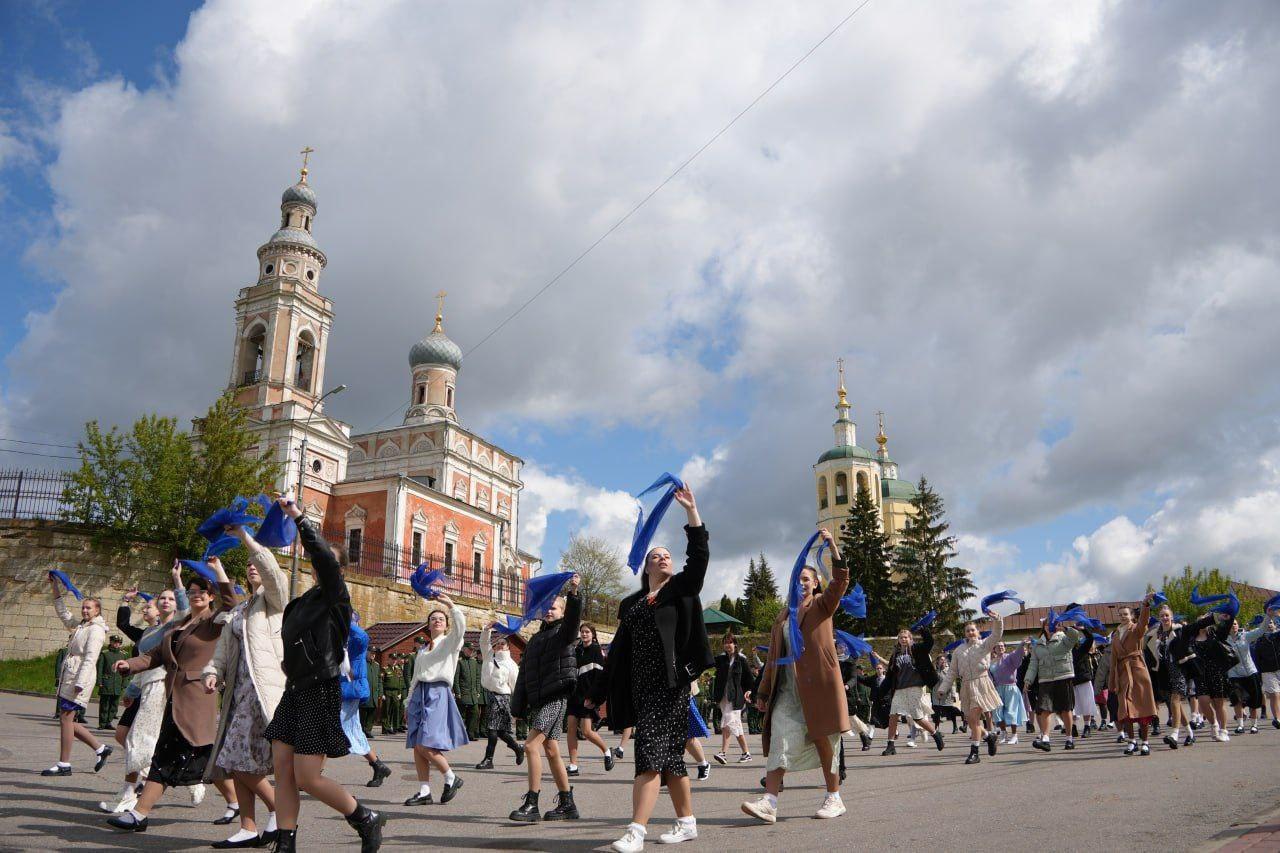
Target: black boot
x=486, y=763
x=528, y=811
x=565, y=808
x=286, y=841
x=519, y=754
x=380, y=772
x=890, y=749
x=866, y=741
x=368, y=824
x=973, y=755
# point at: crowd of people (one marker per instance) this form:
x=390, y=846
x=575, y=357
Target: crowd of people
x=253, y=693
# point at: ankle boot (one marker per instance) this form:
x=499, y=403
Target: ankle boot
x=486, y=763
x=368, y=824
x=565, y=808
x=286, y=841
x=380, y=771
x=528, y=811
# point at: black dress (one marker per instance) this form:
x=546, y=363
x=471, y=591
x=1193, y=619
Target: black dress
x=662, y=712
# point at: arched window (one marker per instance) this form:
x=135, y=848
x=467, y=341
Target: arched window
x=863, y=483
x=251, y=356
x=842, y=488
x=303, y=363
x=822, y=492
x=448, y=396
x=422, y=394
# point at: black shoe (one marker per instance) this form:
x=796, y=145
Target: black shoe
x=890, y=749
x=486, y=764
x=368, y=824
x=1030, y=729
x=704, y=772
x=266, y=839
x=1144, y=750
x=617, y=750
x=56, y=770
x=1155, y=728
x=380, y=772
x=1070, y=744
x=1086, y=731
x=1042, y=745
x=528, y=811
x=450, y=791
x=991, y=744
x=419, y=800
x=937, y=739
x=866, y=741
x=1190, y=741
x=1275, y=724
x=1171, y=741
x=573, y=771
x=126, y=822
x=1075, y=730
x=226, y=819
x=519, y=754
x=782, y=787
x=286, y=841
x=102, y=758
x=973, y=756
x=608, y=762
x=256, y=841
x=565, y=808
x=1131, y=749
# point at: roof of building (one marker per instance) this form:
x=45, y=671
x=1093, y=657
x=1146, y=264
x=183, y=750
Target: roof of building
x=845, y=451
x=386, y=634
x=299, y=193
x=436, y=348
x=293, y=235
x=898, y=489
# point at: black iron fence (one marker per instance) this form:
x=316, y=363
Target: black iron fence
x=33, y=494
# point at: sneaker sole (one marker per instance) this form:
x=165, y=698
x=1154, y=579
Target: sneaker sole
x=720, y=759
x=829, y=816
x=766, y=818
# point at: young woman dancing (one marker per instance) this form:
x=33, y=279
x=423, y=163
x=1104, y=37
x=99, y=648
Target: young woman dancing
x=582, y=720
x=1267, y=652
x=435, y=723
x=76, y=680
x=1209, y=642
x=548, y=674
x=246, y=666
x=498, y=676
x=970, y=666
x=1244, y=676
x=190, y=721
x=804, y=702
x=307, y=726
x=1168, y=679
x=660, y=646
x=1129, y=679
x=911, y=676
x=1051, y=672
x=355, y=691
x=729, y=688
x=1012, y=713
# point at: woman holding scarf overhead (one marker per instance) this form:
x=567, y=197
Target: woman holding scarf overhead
x=1129, y=679
x=307, y=726
x=76, y=680
x=660, y=646
x=189, y=727
x=911, y=677
x=246, y=665
x=1012, y=712
x=435, y=724
x=970, y=665
x=804, y=702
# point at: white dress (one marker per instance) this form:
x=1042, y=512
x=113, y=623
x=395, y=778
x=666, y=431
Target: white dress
x=789, y=745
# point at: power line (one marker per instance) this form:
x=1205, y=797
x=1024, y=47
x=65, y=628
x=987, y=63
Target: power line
x=694, y=156
x=40, y=443
x=34, y=453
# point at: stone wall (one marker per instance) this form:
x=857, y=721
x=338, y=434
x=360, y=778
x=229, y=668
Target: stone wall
x=29, y=549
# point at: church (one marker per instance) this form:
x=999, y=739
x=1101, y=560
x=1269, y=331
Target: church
x=847, y=467
x=426, y=490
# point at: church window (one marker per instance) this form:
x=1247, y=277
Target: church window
x=306, y=223
x=311, y=275
x=303, y=364
x=448, y=558
x=448, y=394
x=251, y=357
x=316, y=466
x=355, y=539
x=842, y=488
x=417, y=547
x=270, y=269
x=477, y=563
x=822, y=493
x=863, y=483
x=422, y=394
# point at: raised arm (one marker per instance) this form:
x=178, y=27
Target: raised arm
x=275, y=583
x=829, y=601
x=328, y=572
x=486, y=638
x=698, y=552
x=1087, y=645
x=568, y=631
x=450, y=645
x=60, y=607
x=926, y=639
x=124, y=622
x=997, y=631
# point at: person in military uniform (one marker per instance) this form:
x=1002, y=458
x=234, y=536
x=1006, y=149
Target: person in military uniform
x=468, y=691
x=369, y=707
x=110, y=683
x=393, y=685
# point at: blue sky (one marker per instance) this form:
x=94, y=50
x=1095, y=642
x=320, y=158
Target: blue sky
x=1017, y=238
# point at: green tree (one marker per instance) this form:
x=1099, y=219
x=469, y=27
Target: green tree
x=928, y=580
x=726, y=606
x=749, y=585
x=598, y=564
x=759, y=595
x=866, y=550
x=1177, y=588
x=765, y=613
x=767, y=585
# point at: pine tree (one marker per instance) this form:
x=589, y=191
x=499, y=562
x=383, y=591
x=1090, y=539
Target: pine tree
x=767, y=588
x=865, y=547
x=726, y=606
x=927, y=578
x=748, y=592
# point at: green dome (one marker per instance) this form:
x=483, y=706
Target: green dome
x=845, y=451
x=902, y=490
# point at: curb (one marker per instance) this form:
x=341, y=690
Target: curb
x=28, y=693
x=1238, y=830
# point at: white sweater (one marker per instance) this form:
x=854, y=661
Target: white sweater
x=499, y=674
x=439, y=662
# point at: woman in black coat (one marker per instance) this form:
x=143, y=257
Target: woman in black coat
x=307, y=725
x=660, y=647
x=732, y=682
x=582, y=720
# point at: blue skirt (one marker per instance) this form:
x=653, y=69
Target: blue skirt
x=434, y=721
x=1012, y=711
x=351, y=727
x=697, y=725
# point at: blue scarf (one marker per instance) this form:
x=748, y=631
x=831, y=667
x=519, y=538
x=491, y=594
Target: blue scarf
x=795, y=640
x=855, y=602
x=647, y=527
x=924, y=621
x=203, y=570
x=1230, y=604
x=424, y=582
x=996, y=597
x=62, y=578
x=277, y=530
x=853, y=645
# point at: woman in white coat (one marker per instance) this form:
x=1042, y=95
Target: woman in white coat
x=77, y=678
x=970, y=665
x=498, y=677
x=247, y=666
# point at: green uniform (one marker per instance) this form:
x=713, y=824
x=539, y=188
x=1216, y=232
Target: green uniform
x=369, y=707
x=393, y=685
x=470, y=695
x=110, y=685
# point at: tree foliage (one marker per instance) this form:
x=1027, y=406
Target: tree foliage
x=759, y=594
x=1177, y=588
x=928, y=579
x=598, y=564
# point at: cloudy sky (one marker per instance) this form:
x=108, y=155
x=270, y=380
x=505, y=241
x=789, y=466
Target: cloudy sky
x=1043, y=236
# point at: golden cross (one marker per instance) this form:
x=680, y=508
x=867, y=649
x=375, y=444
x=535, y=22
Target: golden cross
x=440, y=302
x=306, y=155
x=880, y=417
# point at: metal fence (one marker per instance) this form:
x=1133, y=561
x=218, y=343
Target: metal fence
x=33, y=494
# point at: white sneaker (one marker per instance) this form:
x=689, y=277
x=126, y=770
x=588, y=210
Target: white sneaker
x=681, y=832
x=196, y=792
x=911, y=744
x=122, y=805
x=1004, y=737
x=761, y=809
x=1223, y=736
x=631, y=842
x=831, y=807
x=1012, y=740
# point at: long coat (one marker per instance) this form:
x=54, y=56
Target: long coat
x=184, y=652
x=1128, y=678
x=817, y=671
x=80, y=666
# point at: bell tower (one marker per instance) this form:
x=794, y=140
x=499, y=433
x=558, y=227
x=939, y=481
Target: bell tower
x=845, y=468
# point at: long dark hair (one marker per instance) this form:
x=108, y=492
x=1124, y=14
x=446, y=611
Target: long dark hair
x=595, y=639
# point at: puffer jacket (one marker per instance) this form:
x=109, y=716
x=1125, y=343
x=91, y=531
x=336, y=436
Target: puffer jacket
x=357, y=686
x=1241, y=641
x=316, y=623
x=1051, y=661
x=1267, y=652
x=80, y=666
x=549, y=668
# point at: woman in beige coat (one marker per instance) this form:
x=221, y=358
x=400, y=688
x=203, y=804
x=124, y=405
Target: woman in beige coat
x=970, y=665
x=1129, y=679
x=247, y=666
x=75, y=682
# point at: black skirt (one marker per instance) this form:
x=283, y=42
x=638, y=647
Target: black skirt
x=126, y=719
x=309, y=719
x=176, y=763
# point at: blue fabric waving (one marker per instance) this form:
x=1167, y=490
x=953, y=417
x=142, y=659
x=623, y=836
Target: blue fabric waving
x=236, y=514
x=795, y=640
x=423, y=581
x=1256, y=621
x=145, y=596
x=1071, y=614
x=1227, y=602
x=855, y=602
x=996, y=597
x=62, y=578
x=357, y=687
x=508, y=627
x=1272, y=603
x=647, y=527
x=540, y=592
x=220, y=546
x=924, y=621
x=853, y=645
x=1159, y=598
x=277, y=529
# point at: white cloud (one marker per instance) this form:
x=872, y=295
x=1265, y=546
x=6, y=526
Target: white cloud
x=601, y=512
